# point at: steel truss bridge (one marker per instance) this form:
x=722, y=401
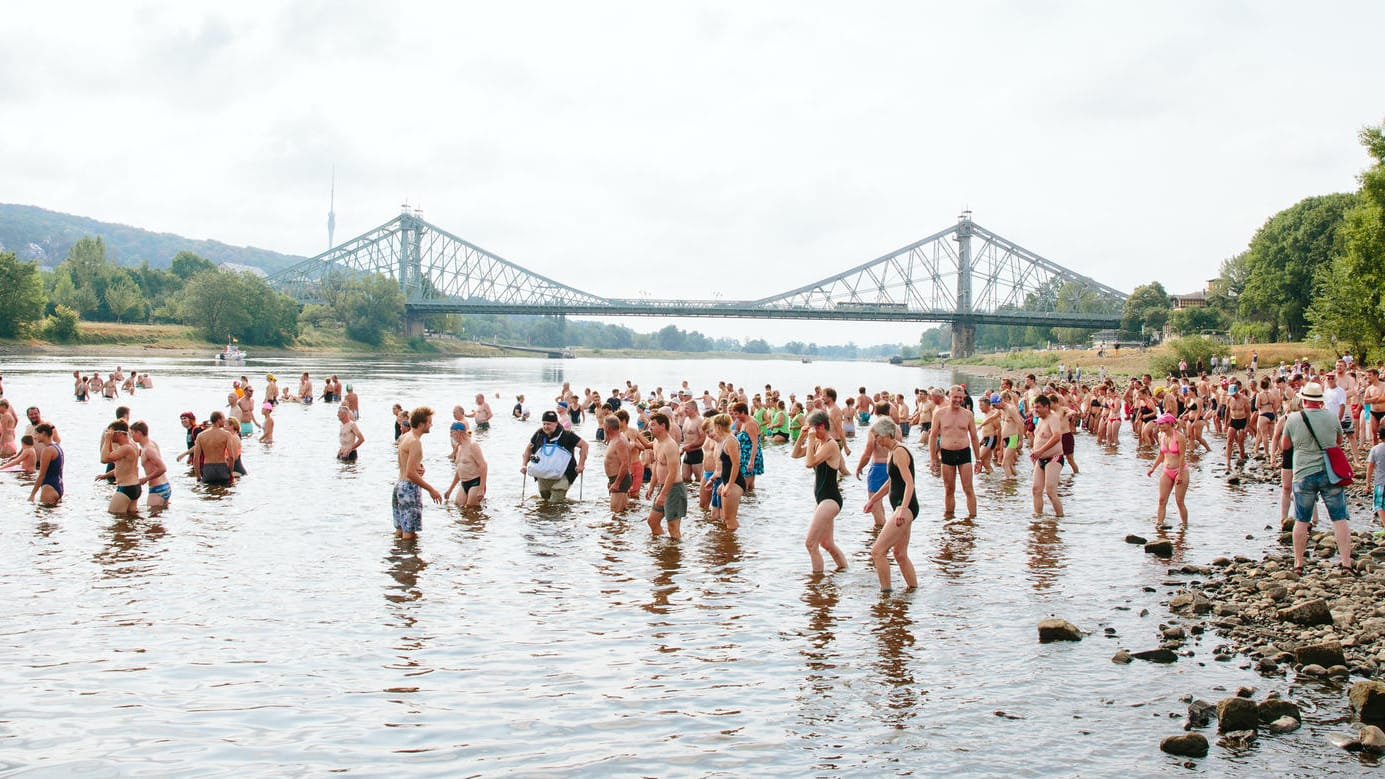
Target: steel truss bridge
x=964, y=274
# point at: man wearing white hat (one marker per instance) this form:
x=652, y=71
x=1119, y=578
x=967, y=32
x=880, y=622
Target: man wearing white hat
x=1306, y=435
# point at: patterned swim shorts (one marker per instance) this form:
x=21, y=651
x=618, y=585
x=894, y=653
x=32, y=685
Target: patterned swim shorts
x=408, y=507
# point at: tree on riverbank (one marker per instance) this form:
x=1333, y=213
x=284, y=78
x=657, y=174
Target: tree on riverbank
x=1349, y=291
x=21, y=295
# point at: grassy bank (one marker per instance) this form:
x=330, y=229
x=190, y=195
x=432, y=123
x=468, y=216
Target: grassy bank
x=1127, y=361
x=118, y=338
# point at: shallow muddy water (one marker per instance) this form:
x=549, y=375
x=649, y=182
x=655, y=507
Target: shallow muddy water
x=277, y=627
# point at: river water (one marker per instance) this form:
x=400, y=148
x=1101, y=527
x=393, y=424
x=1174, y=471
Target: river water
x=277, y=627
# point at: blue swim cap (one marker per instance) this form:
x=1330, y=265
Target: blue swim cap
x=459, y=426
x=995, y=397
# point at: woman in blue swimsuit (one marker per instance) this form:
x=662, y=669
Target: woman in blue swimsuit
x=49, y=484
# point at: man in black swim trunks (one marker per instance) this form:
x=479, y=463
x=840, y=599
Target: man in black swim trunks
x=124, y=455
x=209, y=453
x=693, y=438
x=953, y=437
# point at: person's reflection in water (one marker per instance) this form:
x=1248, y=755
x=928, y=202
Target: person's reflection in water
x=956, y=544
x=669, y=557
x=1045, y=552
x=123, y=553
x=720, y=554
x=821, y=596
x=403, y=592
x=894, y=634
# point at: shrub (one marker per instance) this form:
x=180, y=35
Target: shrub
x=62, y=325
x=1191, y=349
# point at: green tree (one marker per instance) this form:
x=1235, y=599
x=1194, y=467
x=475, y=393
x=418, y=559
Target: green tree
x=1348, y=306
x=21, y=294
x=1192, y=321
x=65, y=293
x=1283, y=261
x=756, y=346
x=1146, y=310
x=122, y=297
x=63, y=326
x=86, y=259
x=211, y=303
x=185, y=265
x=370, y=306
x=671, y=338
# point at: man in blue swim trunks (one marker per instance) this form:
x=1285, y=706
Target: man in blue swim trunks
x=121, y=452
x=152, y=460
x=407, y=501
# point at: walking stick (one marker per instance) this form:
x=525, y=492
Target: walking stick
x=523, y=485
x=581, y=482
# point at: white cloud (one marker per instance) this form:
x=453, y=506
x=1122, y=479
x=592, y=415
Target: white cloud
x=741, y=147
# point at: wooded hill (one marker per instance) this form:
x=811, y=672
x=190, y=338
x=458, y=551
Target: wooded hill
x=34, y=233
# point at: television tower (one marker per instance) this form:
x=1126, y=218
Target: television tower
x=332, y=211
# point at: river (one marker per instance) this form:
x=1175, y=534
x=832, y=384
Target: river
x=277, y=627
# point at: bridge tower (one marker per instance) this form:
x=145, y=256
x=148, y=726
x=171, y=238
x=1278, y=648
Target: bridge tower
x=410, y=268
x=964, y=325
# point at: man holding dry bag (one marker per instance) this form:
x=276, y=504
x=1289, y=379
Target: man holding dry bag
x=549, y=458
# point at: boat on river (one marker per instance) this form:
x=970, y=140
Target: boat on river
x=231, y=353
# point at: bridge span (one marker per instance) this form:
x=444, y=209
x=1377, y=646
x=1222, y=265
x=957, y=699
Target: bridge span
x=964, y=274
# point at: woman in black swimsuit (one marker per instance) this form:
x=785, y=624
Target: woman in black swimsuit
x=894, y=536
x=729, y=457
x=824, y=457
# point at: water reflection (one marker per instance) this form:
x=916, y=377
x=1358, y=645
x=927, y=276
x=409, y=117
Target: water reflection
x=821, y=596
x=1044, y=553
x=404, y=595
x=956, y=544
x=124, y=554
x=668, y=557
x=894, y=640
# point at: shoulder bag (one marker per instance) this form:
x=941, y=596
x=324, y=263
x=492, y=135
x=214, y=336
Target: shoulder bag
x=1334, y=460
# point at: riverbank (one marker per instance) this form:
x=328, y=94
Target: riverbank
x=1125, y=362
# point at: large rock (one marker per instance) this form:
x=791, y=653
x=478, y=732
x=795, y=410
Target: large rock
x=1326, y=654
x=1274, y=708
x=1121, y=657
x=1313, y=612
x=1160, y=548
x=1283, y=725
x=1236, y=714
x=1185, y=745
x=1054, y=629
x=1368, y=701
x=1136, y=540
x=1372, y=740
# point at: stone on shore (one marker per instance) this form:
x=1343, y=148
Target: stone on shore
x=1160, y=548
x=1277, y=708
x=1185, y=745
x=1368, y=701
x=1308, y=613
x=1136, y=540
x=1372, y=740
x=1156, y=656
x=1326, y=654
x=1054, y=629
x=1201, y=713
x=1237, y=714
x=1284, y=725
x=1121, y=656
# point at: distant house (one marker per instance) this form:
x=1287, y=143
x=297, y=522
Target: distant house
x=235, y=267
x=1192, y=299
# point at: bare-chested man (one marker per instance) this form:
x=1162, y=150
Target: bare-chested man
x=483, y=413
x=954, y=438
x=671, y=498
x=151, y=459
x=617, y=463
x=349, y=437
x=245, y=412
x=210, y=450
x=121, y=452
x=305, y=388
x=834, y=417
x=352, y=401
x=407, y=502
x=469, y=468
x=693, y=438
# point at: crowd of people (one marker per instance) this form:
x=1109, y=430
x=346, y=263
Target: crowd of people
x=677, y=446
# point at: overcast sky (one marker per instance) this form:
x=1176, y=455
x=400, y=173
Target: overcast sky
x=689, y=148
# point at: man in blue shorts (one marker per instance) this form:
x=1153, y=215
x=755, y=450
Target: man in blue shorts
x=408, y=500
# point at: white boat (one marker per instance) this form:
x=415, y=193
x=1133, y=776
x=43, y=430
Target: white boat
x=231, y=353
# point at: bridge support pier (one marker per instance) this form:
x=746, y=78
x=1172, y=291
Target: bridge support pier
x=413, y=325
x=963, y=339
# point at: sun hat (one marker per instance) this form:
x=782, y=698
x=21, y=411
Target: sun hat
x=1311, y=391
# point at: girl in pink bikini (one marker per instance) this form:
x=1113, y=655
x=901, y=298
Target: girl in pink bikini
x=1174, y=476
